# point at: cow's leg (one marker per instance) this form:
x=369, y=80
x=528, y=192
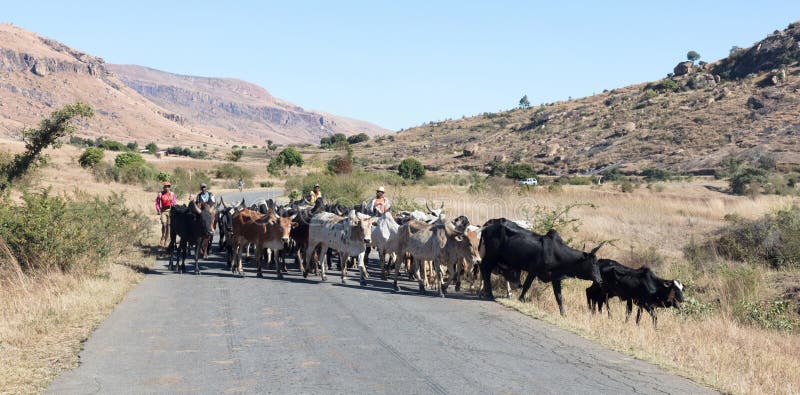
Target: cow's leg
x=300, y=259
x=419, y=269
x=322, y=253
x=628, y=309
x=638, y=313
x=170, y=251
x=486, y=276
x=397, y=276
x=608, y=306
x=650, y=309
x=557, y=292
x=343, y=260
x=198, y=249
x=259, y=255
x=383, y=264
x=362, y=268
x=527, y=285
x=442, y=288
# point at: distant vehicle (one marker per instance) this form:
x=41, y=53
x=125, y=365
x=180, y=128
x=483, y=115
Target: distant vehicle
x=529, y=181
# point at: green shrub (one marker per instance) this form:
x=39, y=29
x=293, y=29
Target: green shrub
x=186, y=152
x=330, y=142
x=654, y=174
x=340, y=165
x=78, y=233
x=519, y=171
x=162, y=176
x=290, y=157
x=748, y=180
x=358, y=138
x=91, y=157
x=229, y=171
x=234, y=155
x=773, y=239
x=128, y=159
x=649, y=94
x=626, y=186
x=611, y=174
x=111, y=145
x=770, y=315
x=266, y=184
x=152, y=147
x=411, y=169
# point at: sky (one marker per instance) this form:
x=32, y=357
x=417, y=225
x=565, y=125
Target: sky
x=401, y=64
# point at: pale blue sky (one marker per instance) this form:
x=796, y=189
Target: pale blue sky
x=400, y=64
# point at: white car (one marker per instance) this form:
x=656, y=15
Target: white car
x=529, y=181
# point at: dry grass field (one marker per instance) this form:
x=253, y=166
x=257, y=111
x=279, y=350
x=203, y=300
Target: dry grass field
x=653, y=227
x=48, y=315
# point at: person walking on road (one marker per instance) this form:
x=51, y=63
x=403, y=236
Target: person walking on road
x=380, y=204
x=241, y=184
x=165, y=201
x=205, y=196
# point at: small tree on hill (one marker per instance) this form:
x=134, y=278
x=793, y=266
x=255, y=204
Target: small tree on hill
x=290, y=157
x=51, y=129
x=128, y=159
x=152, y=147
x=91, y=157
x=692, y=56
x=411, y=169
x=235, y=155
x=524, y=103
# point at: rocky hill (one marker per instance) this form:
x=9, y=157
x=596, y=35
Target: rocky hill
x=39, y=75
x=235, y=108
x=745, y=104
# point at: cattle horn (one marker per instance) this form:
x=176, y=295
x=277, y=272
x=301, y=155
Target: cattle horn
x=195, y=208
x=222, y=203
x=594, y=250
x=441, y=207
x=428, y=206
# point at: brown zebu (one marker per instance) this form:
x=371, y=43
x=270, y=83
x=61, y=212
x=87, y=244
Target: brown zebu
x=264, y=231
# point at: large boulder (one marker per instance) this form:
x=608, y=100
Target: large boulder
x=39, y=68
x=471, y=150
x=553, y=149
x=683, y=68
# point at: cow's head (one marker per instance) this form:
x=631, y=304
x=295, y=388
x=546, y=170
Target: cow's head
x=362, y=226
x=462, y=243
x=674, y=290
x=435, y=212
x=207, y=220
x=589, y=265
x=286, y=224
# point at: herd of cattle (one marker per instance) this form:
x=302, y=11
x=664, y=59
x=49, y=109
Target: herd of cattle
x=434, y=250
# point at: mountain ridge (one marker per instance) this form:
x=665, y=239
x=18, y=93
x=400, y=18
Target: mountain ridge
x=39, y=75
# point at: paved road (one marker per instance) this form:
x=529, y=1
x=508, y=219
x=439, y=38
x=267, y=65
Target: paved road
x=216, y=333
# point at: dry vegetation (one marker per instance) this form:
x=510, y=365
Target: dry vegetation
x=46, y=315
x=652, y=228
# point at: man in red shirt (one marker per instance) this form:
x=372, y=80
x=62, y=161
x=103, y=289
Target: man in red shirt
x=165, y=200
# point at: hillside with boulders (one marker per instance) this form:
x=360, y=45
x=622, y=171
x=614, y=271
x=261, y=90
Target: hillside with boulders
x=747, y=104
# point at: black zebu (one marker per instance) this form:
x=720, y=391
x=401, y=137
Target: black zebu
x=194, y=225
x=510, y=247
x=639, y=286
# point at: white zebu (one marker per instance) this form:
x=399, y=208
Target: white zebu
x=385, y=239
x=440, y=242
x=348, y=235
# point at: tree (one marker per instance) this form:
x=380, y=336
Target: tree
x=91, y=157
x=340, y=165
x=692, y=56
x=152, y=147
x=524, y=103
x=51, y=129
x=235, y=155
x=128, y=159
x=132, y=146
x=290, y=157
x=358, y=138
x=411, y=169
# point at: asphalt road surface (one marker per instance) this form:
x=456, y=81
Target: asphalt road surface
x=216, y=333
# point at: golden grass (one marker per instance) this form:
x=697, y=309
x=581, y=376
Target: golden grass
x=47, y=316
x=714, y=350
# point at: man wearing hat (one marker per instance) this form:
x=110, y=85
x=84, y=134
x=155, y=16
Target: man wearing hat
x=165, y=201
x=315, y=194
x=204, y=196
x=380, y=204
